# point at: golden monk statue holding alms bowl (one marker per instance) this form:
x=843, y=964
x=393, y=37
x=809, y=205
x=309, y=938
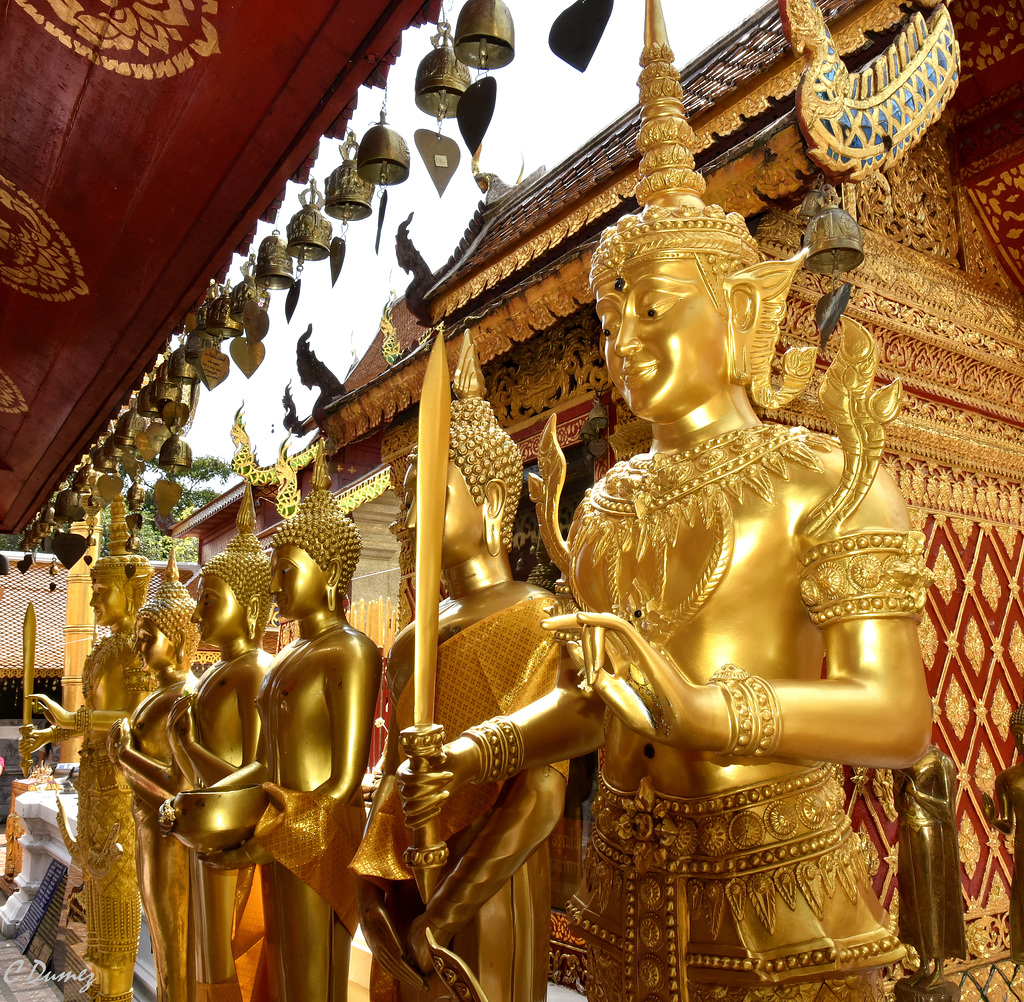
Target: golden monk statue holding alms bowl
x=714, y=577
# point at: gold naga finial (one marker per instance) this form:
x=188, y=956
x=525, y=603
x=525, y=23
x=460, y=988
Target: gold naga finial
x=469, y=377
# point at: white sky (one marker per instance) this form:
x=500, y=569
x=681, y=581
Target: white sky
x=545, y=111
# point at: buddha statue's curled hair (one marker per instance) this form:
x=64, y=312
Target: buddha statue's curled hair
x=321, y=528
x=243, y=566
x=170, y=611
x=1017, y=717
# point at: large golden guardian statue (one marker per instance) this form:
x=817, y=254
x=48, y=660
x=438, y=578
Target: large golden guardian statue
x=493, y=658
x=714, y=577
x=214, y=731
x=167, y=641
x=114, y=682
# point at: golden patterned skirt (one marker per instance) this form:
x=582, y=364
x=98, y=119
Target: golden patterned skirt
x=739, y=895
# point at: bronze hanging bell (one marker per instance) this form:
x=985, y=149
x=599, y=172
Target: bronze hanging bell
x=833, y=237
x=484, y=35
x=348, y=196
x=441, y=78
x=181, y=368
x=129, y=424
x=144, y=402
x=383, y=155
x=83, y=479
x=163, y=391
x=101, y=461
x=67, y=506
x=219, y=322
x=309, y=232
x=112, y=451
x=175, y=455
x=246, y=290
x=135, y=496
x=47, y=519
x=274, y=263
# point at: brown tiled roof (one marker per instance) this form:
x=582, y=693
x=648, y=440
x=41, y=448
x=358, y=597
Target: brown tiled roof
x=372, y=364
x=51, y=611
x=719, y=71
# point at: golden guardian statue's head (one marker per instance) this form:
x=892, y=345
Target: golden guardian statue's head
x=120, y=580
x=324, y=532
x=676, y=234
x=245, y=569
x=170, y=611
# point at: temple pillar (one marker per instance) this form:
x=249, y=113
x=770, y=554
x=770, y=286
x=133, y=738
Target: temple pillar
x=79, y=630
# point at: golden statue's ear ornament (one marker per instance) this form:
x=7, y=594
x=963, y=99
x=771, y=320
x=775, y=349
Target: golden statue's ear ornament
x=756, y=298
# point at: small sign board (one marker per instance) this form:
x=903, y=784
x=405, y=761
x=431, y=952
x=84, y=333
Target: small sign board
x=54, y=880
x=41, y=947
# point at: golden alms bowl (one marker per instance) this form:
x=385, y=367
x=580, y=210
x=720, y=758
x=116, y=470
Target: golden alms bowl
x=214, y=820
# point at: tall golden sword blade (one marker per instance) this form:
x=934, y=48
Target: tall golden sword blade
x=28, y=646
x=422, y=742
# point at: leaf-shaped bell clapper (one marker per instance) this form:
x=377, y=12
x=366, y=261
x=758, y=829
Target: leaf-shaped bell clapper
x=348, y=196
x=484, y=35
x=441, y=78
x=383, y=155
x=274, y=263
x=67, y=505
x=175, y=455
x=833, y=237
x=129, y=424
x=219, y=321
x=163, y=390
x=309, y=231
x=246, y=290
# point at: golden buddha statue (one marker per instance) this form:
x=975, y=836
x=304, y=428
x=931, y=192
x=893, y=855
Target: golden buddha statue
x=114, y=682
x=167, y=641
x=748, y=596
x=316, y=705
x=215, y=730
x=494, y=657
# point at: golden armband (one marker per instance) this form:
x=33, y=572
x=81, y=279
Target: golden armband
x=755, y=718
x=500, y=743
x=83, y=720
x=62, y=734
x=865, y=575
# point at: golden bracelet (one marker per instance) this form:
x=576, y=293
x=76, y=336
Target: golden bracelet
x=83, y=720
x=500, y=743
x=755, y=717
x=62, y=734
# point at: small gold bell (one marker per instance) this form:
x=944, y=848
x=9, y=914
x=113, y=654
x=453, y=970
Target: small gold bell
x=309, y=233
x=245, y=291
x=833, y=235
x=162, y=390
x=180, y=367
x=47, y=520
x=349, y=197
x=383, y=155
x=219, y=321
x=112, y=451
x=135, y=496
x=129, y=424
x=144, y=402
x=441, y=78
x=274, y=263
x=175, y=455
x=66, y=505
x=83, y=478
x=101, y=461
x=484, y=35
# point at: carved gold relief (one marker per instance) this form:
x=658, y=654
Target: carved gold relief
x=146, y=39
x=35, y=256
x=980, y=53
x=11, y=399
x=980, y=260
x=999, y=198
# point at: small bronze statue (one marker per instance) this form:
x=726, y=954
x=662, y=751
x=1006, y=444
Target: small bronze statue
x=1006, y=814
x=931, y=902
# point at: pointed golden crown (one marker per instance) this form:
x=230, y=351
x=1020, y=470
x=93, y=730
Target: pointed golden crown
x=320, y=527
x=673, y=221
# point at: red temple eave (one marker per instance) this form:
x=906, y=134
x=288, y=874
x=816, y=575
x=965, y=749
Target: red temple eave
x=131, y=166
